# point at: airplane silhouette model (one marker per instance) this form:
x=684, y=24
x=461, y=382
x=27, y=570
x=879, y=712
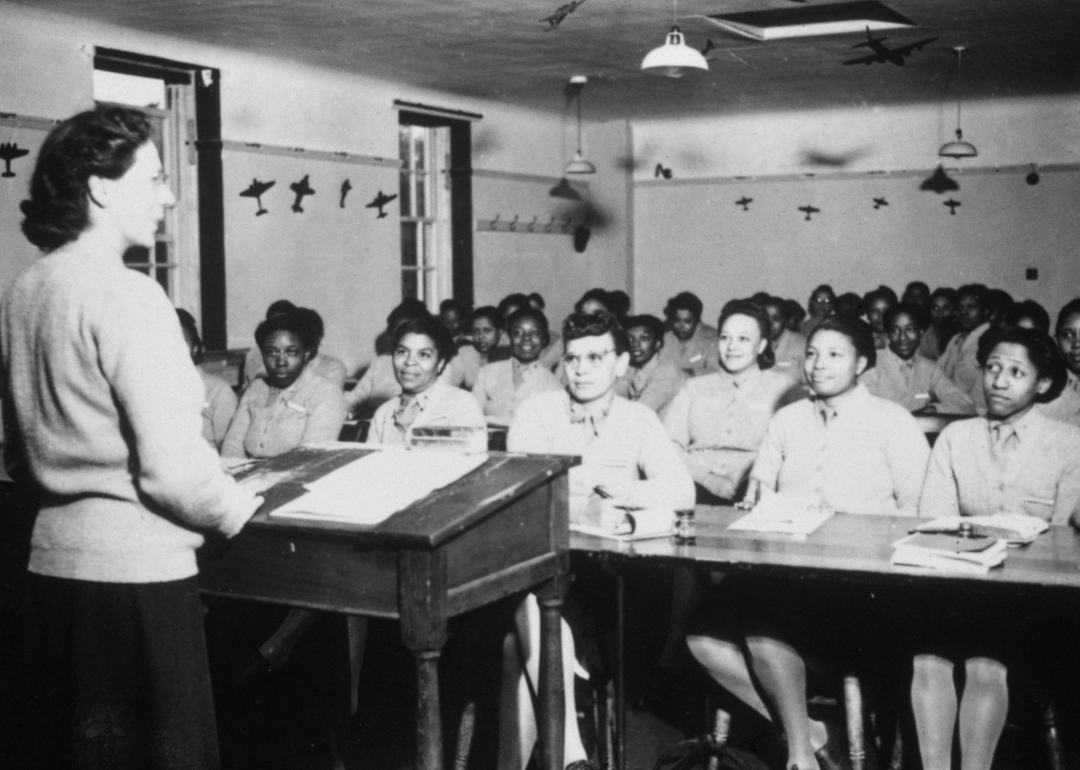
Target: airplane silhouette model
x=879, y=202
x=255, y=190
x=9, y=151
x=345, y=187
x=952, y=204
x=744, y=202
x=882, y=54
x=560, y=13
x=380, y=200
x=809, y=210
x=301, y=189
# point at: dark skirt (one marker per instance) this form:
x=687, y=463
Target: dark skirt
x=117, y=676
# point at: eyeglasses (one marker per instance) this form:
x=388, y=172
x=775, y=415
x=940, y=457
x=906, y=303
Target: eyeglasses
x=593, y=359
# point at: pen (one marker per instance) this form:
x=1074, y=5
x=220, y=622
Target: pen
x=599, y=490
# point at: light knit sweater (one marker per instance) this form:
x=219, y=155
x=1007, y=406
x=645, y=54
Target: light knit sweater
x=107, y=423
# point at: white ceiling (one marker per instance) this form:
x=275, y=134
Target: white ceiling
x=498, y=49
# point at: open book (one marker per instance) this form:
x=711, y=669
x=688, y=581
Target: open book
x=1015, y=528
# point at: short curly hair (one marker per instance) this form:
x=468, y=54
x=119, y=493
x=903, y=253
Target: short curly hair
x=99, y=142
x=685, y=300
x=1041, y=349
x=856, y=330
x=577, y=326
x=433, y=329
x=294, y=323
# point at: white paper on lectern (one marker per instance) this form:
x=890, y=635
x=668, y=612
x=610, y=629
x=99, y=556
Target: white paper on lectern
x=372, y=488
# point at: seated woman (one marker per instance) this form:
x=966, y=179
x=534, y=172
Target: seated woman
x=1066, y=407
x=422, y=349
x=649, y=380
x=942, y=326
x=1013, y=460
x=454, y=315
x=718, y=420
x=876, y=304
x=220, y=403
x=690, y=344
x=502, y=386
x=625, y=455
x=904, y=377
x=485, y=326
x=822, y=304
x=844, y=449
x=789, y=347
x=291, y=405
x=328, y=367
x=958, y=361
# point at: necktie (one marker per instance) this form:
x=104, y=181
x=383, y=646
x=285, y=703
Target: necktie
x=406, y=412
x=1005, y=439
x=518, y=372
x=827, y=415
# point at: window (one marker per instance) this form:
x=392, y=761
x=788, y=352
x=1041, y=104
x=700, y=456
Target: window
x=425, y=204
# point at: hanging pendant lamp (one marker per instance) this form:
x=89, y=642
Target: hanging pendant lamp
x=958, y=148
x=579, y=165
x=674, y=57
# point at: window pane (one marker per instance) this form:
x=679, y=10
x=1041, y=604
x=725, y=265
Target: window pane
x=405, y=197
x=408, y=244
x=161, y=252
x=421, y=148
x=421, y=195
x=163, y=277
x=136, y=255
x=404, y=136
x=409, y=287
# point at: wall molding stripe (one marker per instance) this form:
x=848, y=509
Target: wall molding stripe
x=300, y=152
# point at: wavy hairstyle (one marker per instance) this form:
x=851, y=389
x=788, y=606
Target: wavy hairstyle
x=759, y=315
x=99, y=142
x=1041, y=349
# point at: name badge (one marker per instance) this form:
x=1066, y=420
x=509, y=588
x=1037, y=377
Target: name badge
x=1039, y=500
x=922, y=395
x=696, y=358
x=296, y=407
x=205, y=405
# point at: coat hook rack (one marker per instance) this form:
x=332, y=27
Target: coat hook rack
x=554, y=225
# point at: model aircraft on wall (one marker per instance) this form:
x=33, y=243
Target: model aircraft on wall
x=882, y=54
x=255, y=190
x=9, y=151
x=380, y=200
x=560, y=13
x=301, y=189
x=744, y=202
x=808, y=209
x=345, y=187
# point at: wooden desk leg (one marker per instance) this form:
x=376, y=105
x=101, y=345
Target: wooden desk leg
x=854, y=711
x=422, y=605
x=550, y=720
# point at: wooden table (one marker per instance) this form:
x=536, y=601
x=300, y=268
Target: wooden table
x=496, y=531
x=846, y=547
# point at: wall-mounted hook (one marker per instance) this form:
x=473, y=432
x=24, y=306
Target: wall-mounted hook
x=548, y=227
x=532, y=225
x=513, y=223
x=495, y=222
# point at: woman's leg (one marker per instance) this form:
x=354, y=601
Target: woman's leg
x=726, y=663
x=782, y=674
x=983, y=708
x=279, y=648
x=517, y=722
x=933, y=700
x=685, y=598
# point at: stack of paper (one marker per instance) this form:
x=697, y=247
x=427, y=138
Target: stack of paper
x=783, y=515
x=372, y=488
x=1014, y=528
x=641, y=524
x=949, y=553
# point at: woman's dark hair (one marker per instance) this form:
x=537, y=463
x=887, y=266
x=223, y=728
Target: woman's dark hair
x=618, y=302
x=453, y=304
x=881, y=292
x=685, y=300
x=489, y=312
x=536, y=299
x=976, y=290
x=849, y=303
x=946, y=292
x=998, y=302
x=1041, y=349
x=767, y=301
x=187, y=323
x=432, y=328
x=294, y=323
x=915, y=286
x=277, y=307
x=1031, y=310
x=856, y=330
x=822, y=288
x=536, y=316
x=1072, y=307
x=755, y=311
x=577, y=326
x=516, y=300
x=795, y=314
x=406, y=309
x=100, y=142
x=650, y=322
x=915, y=312
x=594, y=295
x=314, y=322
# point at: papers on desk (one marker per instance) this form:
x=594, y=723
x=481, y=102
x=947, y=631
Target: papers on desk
x=784, y=515
x=643, y=524
x=1014, y=528
x=372, y=488
x=949, y=553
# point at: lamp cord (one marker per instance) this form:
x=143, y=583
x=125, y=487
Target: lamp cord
x=579, y=90
x=959, y=90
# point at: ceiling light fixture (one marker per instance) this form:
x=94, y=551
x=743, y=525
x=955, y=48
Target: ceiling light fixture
x=958, y=148
x=674, y=57
x=579, y=165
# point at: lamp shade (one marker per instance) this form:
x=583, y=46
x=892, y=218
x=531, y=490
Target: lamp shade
x=673, y=58
x=579, y=165
x=958, y=148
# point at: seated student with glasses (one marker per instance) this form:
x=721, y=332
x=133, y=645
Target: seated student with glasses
x=849, y=451
x=501, y=387
x=903, y=376
x=1015, y=460
x=650, y=379
x=626, y=459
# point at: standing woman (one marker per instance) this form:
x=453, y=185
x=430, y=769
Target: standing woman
x=102, y=409
x=1016, y=460
x=291, y=405
x=422, y=349
x=844, y=449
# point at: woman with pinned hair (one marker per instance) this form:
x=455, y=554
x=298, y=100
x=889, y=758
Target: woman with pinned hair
x=220, y=404
x=422, y=348
x=1066, y=407
x=1015, y=460
x=689, y=343
x=842, y=449
x=718, y=420
x=102, y=409
x=485, y=327
x=326, y=366
x=291, y=405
